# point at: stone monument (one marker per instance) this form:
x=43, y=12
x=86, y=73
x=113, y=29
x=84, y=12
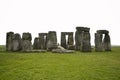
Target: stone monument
x=82, y=39
x=51, y=40
x=102, y=41
x=69, y=43
x=26, y=42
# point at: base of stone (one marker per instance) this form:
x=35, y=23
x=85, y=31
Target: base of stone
x=35, y=51
x=62, y=51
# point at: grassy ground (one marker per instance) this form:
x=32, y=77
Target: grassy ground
x=54, y=66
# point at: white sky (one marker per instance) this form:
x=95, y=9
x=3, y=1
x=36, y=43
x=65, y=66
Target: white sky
x=37, y=16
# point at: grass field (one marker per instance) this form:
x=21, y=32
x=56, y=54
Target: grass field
x=54, y=66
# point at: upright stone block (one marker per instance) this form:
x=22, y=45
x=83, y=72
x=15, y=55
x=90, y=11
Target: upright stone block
x=43, y=40
x=51, y=40
x=102, y=43
x=107, y=42
x=17, y=42
x=36, y=44
x=63, y=40
x=98, y=42
x=78, y=40
x=9, y=41
x=86, y=45
x=26, y=42
x=69, y=43
x=82, y=39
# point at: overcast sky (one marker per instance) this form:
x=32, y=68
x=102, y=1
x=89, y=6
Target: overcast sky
x=37, y=16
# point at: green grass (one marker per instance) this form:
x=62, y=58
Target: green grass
x=54, y=66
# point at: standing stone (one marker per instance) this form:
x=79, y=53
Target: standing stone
x=63, y=40
x=82, y=39
x=43, y=40
x=36, y=44
x=86, y=46
x=70, y=41
x=102, y=43
x=51, y=40
x=26, y=42
x=78, y=40
x=98, y=42
x=107, y=43
x=9, y=41
x=17, y=42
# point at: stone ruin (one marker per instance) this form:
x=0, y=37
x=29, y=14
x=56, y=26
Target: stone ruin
x=102, y=41
x=26, y=42
x=40, y=42
x=43, y=40
x=48, y=41
x=9, y=41
x=82, y=39
x=36, y=44
x=13, y=42
x=69, y=43
x=51, y=40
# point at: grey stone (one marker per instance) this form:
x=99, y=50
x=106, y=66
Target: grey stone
x=86, y=46
x=107, y=43
x=82, y=39
x=61, y=49
x=9, y=41
x=36, y=44
x=51, y=40
x=37, y=51
x=98, y=42
x=26, y=41
x=43, y=40
x=69, y=43
x=102, y=43
x=17, y=42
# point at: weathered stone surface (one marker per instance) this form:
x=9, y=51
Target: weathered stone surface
x=38, y=51
x=43, y=40
x=78, y=40
x=63, y=40
x=85, y=29
x=103, y=31
x=102, y=43
x=107, y=43
x=60, y=49
x=51, y=40
x=9, y=41
x=26, y=41
x=82, y=39
x=69, y=43
x=36, y=44
x=17, y=42
x=26, y=36
x=98, y=42
x=86, y=46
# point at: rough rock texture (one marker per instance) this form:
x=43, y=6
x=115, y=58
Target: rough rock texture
x=51, y=40
x=17, y=42
x=36, y=44
x=9, y=41
x=98, y=42
x=26, y=41
x=43, y=40
x=69, y=43
x=102, y=43
x=86, y=45
x=61, y=49
x=82, y=39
